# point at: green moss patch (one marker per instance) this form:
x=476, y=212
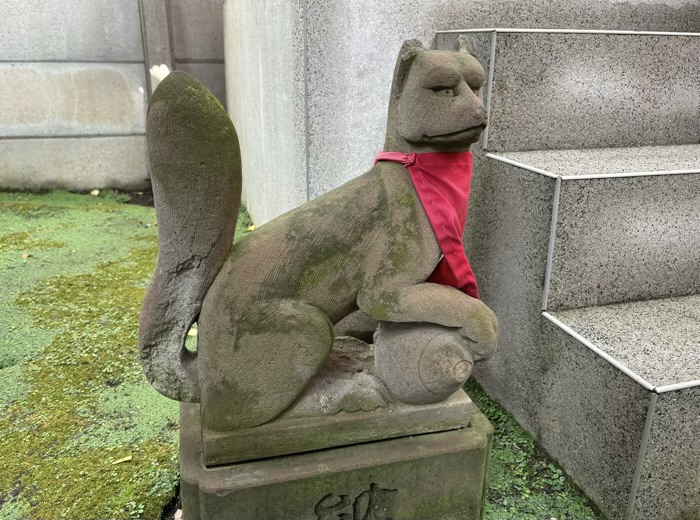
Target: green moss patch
x=524, y=483
x=72, y=394
x=83, y=434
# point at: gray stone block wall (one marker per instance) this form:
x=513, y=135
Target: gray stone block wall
x=74, y=95
x=347, y=49
x=70, y=30
x=75, y=84
x=75, y=163
x=72, y=99
x=197, y=36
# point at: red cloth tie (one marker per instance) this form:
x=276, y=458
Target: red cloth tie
x=443, y=182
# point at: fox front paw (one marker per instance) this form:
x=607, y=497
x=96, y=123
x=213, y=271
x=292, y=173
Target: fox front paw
x=480, y=331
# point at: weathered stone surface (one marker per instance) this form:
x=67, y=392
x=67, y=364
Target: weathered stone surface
x=357, y=325
x=263, y=372
x=368, y=244
x=63, y=99
x=195, y=163
x=438, y=476
x=347, y=382
x=421, y=363
x=296, y=435
x=70, y=30
x=74, y=163
x=211, y=75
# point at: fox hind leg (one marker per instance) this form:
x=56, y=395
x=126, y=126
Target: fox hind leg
x=256, y=365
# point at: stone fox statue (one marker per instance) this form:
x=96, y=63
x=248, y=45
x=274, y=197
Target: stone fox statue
x=266, y=306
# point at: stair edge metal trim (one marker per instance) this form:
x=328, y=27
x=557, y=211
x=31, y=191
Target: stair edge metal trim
x=569, y=31
x=607, y=357
x=521, y=165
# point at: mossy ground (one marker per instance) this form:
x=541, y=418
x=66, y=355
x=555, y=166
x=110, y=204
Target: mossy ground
x=73, y=400
x=524, y=483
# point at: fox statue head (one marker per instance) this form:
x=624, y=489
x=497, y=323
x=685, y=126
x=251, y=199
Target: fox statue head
x=436, y=100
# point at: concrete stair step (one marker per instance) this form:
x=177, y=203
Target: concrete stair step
x=606, y=389
x=647, y=434
x=586, y=205
x=655, y=342
x=620, y=404
x=611, y=162
x=625, y=222
x=561, y=89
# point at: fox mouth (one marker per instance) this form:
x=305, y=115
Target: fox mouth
x=459, y=133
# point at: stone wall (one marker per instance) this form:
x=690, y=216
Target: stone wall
x=188, y=35
x=309, y=79
x=75, y=85
x=74, y=91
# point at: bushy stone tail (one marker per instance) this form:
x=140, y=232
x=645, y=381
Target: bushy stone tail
x=196, y=174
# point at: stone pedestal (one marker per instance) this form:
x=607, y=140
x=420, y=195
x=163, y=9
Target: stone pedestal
x=424, y=477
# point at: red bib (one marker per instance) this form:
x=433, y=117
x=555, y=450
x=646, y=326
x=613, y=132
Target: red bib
x=443, y=182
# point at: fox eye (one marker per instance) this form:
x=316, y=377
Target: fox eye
x=444, y=91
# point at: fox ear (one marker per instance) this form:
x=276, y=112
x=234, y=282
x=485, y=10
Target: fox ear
x=466, y=44
x=410, y=49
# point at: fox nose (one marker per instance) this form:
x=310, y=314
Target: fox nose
x=483, y=114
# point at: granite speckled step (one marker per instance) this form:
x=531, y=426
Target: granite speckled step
x=607, y=243
x=625, y=224
x=631, y=372
x=561, y=89
x=584, y=236
x=655, y=342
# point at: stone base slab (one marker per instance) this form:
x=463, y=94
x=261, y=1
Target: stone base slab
x=285, y=436
x=436, y=476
